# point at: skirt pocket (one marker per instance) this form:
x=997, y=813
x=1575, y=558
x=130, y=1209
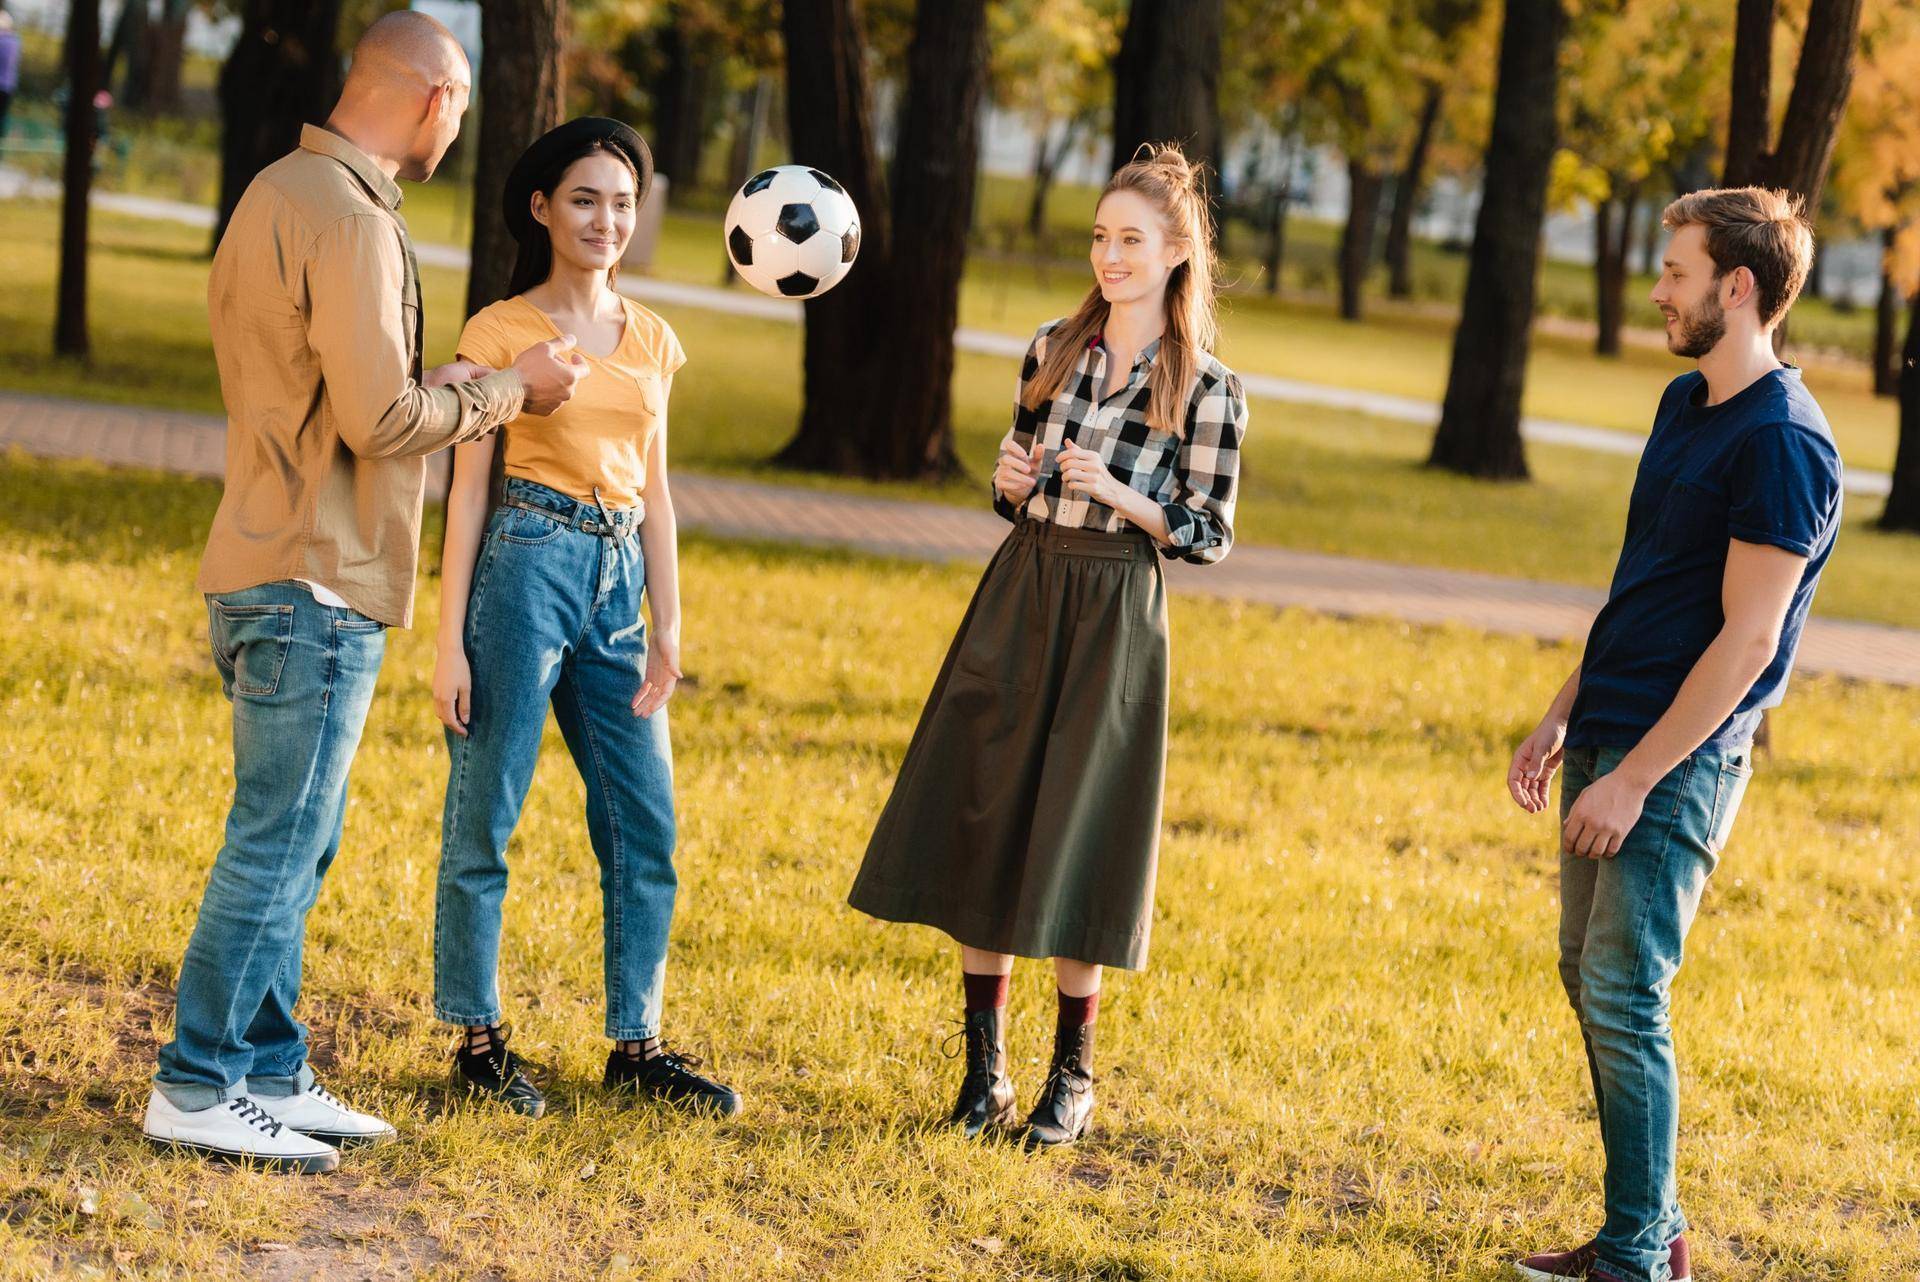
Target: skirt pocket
x=1000, y=643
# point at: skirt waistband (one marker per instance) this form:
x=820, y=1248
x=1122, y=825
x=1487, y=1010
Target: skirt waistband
x=1130, y=544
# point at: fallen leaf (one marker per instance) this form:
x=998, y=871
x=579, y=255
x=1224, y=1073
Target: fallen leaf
x=272, y=1246
x=990, y=1245
x=130, y=1206
x=587, y=1171
x=88, y=1200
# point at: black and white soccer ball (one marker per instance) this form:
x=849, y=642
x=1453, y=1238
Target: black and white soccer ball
x=792, y=232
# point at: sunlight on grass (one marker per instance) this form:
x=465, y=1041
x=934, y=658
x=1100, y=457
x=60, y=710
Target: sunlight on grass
x=1350, y=1059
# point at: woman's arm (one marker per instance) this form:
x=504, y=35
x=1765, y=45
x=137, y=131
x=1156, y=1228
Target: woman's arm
x=466, y=520
x=660, y=547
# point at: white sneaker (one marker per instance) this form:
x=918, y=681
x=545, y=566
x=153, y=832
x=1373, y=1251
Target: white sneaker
x=318, y=1113
x=237, y=1131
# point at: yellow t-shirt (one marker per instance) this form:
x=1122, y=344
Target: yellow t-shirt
x=602, y=435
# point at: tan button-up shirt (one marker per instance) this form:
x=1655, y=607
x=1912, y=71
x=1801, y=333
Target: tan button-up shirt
x=314, y=304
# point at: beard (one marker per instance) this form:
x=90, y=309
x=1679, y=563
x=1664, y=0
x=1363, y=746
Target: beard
x=1700, y=330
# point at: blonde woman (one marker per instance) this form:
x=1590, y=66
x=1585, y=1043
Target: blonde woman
x=1026, y=816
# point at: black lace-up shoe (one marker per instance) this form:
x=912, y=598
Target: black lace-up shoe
x=669, y=1075
x=986, y=1092
x=498, y=1073
x=1066, y=1097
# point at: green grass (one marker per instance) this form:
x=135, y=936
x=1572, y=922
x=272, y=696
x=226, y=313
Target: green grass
x=1349, y=1060
x=1321, y=479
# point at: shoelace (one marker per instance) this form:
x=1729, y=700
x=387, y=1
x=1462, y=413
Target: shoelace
x=253, y=1115
x=326, y=1096
x=979, y=1062
x=1061, y=1076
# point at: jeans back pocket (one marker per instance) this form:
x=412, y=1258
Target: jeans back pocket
x=250, y=644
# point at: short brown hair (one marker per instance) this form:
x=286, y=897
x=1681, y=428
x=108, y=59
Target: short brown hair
x=1764, y=231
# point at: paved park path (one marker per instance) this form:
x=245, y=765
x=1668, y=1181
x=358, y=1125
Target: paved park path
x=744, y=302
x=194, y=444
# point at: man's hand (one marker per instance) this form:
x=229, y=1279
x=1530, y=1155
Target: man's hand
x=454, y=372
x=551, y=370
x=1530, y=777
x=1602, y=816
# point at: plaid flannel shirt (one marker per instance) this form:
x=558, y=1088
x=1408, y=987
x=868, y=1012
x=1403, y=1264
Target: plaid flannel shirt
x=1193, y=479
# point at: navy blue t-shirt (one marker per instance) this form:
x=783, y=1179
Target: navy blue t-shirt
x=1760, y=467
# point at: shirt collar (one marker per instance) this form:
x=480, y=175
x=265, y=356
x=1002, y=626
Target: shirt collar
x=1143, y=357
x=325, y=142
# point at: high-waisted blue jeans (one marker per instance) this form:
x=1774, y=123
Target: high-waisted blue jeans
x=554, y=618
x=1623, y=922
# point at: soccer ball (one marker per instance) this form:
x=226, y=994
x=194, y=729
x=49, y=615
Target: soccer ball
x=792, y=232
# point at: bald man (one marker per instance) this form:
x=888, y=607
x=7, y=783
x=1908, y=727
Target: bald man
x=314, y=304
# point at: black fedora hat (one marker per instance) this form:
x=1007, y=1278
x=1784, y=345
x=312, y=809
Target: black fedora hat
x=564, y=140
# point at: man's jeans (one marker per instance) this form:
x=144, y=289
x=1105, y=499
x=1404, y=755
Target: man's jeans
x=1623, y=922
x=300, y=676
x=555, y=617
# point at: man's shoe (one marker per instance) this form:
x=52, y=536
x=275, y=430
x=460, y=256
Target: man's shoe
x=238, y=1131
x=317, y=1112
x=986, y=1092
x=1583, y=1262
x=670, y=1076
x=498, y=1073
x=1066, y=1097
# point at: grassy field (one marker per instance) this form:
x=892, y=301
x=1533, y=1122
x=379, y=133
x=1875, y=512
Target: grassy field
x=1350, y=1060
x=1328, y=480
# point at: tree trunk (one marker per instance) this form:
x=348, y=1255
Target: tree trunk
x=1364, y=187
x=830, y=126
x=282, y=74
x=168, y=57
x=521, y=88
x=1406, y=198
x=1886, y=322
x=1046, y=166
x=1821, y=84
x=1816, y=285
x=1903, y=503
x=680, y=103
x=1612, y=237
x=1750, y=122
x=1166, y=80
x=906, y=426
x=1822, y=79
x=132, y=41
x=1277, y=239
x=83, y=81
x=1479, y=431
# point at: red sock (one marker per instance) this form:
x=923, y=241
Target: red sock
x=984, y=992
x=1078, y=1011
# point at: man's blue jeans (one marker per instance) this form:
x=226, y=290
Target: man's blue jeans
x=300, y=676
x=1623, y=922
x=554, y=617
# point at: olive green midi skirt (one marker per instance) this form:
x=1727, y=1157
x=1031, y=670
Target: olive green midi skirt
x=1026, y=817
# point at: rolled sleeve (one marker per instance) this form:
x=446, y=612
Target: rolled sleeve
x=1785, y=489
x=356, y=287
x=1026, y=422
x=1207, y=475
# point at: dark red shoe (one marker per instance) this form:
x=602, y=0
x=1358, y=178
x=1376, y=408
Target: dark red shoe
x=1583, y=1262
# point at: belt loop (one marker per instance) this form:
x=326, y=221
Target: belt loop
x=606, y=522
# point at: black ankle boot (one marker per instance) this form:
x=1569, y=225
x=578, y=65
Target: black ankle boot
x=1066, y=1098
x=986, y=1092
x=498, y=1073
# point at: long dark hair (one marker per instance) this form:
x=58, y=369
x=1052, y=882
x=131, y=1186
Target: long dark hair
x=534, y=261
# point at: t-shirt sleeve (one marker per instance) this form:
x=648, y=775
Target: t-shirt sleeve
x=668, y=352
x=484, y=340
x=1785, y=488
